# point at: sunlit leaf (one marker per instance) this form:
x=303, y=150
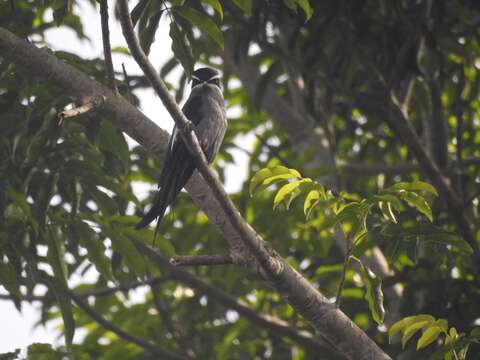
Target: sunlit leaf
x=305, y=5
x=429, y=335
x=284, y=191
x=417, y=201
x=373, y=293
x=403, y=324
x=267, y=176
x=414, y=186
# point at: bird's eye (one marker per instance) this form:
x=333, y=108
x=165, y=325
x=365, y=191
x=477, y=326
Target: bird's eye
x=215, y=81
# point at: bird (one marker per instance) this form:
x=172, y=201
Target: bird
x=205, y=109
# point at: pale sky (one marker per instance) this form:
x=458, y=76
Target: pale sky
x=18, y=329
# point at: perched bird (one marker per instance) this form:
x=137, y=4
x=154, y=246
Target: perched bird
x=205, y=108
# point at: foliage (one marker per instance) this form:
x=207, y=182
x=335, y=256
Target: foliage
x=67, y=207
x=455, y=345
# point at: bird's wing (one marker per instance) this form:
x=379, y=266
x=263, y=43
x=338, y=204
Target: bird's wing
x=177, y=168
x=178, y=153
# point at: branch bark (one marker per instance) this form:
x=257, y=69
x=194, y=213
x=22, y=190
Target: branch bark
x=199, y=260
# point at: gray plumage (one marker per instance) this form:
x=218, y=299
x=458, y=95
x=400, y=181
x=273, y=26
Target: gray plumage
x=205, y=108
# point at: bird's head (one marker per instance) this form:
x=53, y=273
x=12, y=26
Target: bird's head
x=205, y=75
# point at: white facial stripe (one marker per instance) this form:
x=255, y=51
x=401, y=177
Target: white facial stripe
x=195, y=78
x=214, y=77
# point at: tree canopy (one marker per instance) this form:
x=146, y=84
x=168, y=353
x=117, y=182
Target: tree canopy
x=359, y=229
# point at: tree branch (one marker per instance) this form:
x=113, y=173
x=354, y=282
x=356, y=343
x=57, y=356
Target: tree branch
x=96, y=292
x=199, y=260
x=176, y=335
x=107, y=50
x=271, y=323
x=148, y=346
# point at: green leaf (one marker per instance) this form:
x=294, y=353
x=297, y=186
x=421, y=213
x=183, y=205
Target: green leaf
x=444, y=238
x=269, y=175
x=61, y=294
x=56, y=253
x=125, y=247
x=203, y=22
x=401, y=325
x=181, y=48
x=305, y=5
x=374, y=293
x=110, y=138
x=95, y=248
x=386, y=209
x=429, y=336
x=391, y=198
x=284, y=191
x=60, y=12
x=8, y=279
x=412, y=329
x=414, y=186
x=313, y=197
x=106, y=204
x=215, y=4
x=291, y=4
x=417, y=201
x=475, y=334
x=245, y=6
x=147, y=35
x=14, y=355
x=40, y=351
x=138, y=11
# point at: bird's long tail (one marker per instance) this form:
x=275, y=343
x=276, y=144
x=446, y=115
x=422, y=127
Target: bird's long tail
x=165, y=197
x=157, y=210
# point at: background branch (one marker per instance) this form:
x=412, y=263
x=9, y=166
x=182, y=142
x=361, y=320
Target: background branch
x=198, y=260
x=107, y=50
x=148, y=346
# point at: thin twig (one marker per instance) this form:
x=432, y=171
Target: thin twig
x=459, y=132
x=147, y=345
x=163, y=313
x=96, y=292
x=127, y=84
x=198, y=260
x=346, y=259
x=107, y=50
x=271, y=323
